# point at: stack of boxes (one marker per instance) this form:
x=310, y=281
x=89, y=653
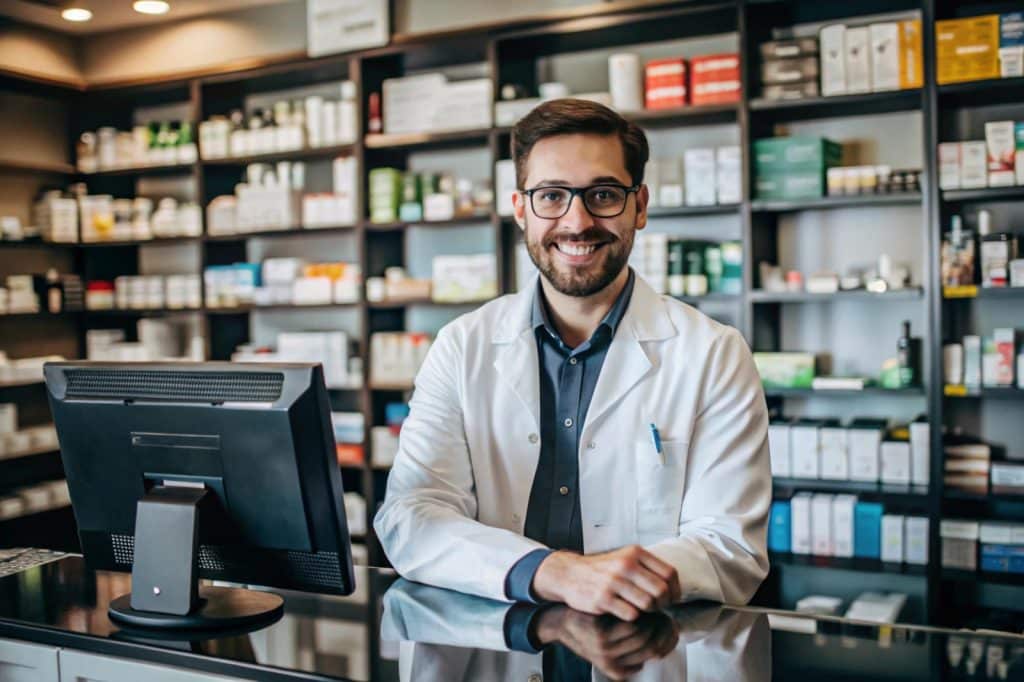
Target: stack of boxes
x=824, y=449
x=715, y=79
x=688, y=267
x=794, y=167
x=789, y=69
x=996, y=161
x=665, y=82
x=985, y=361
x=822, y=524
x=980, y=47
x=429, y=103
x=705, y=177
x=994, y=546
x=881, y=56
x=334, y=350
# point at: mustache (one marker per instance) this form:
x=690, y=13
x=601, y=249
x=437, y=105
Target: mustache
x=590, y=235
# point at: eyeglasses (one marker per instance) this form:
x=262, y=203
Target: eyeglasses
x=601, y=201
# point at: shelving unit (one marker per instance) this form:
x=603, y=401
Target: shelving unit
x=946, y=112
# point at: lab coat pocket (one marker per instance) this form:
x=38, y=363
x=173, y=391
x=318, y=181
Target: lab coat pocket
x=660, y=479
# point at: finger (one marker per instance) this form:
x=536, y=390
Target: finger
x=620, y=608
x=637, y=641
x=653, y=584
x=628, y=590
x=618, y=631
x=665, y=570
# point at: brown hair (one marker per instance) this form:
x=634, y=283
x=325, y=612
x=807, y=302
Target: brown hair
x=567, y=116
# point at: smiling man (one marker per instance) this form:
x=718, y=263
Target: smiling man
x=586, y=440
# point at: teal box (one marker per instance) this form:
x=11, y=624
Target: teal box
x=780, y=527
x=795, y=185
x=777, y=155
x=867, y=530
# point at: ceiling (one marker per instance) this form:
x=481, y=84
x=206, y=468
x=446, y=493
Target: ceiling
x=111, y=15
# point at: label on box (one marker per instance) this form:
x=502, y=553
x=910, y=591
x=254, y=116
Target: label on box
x=858, y=60
x=973, y=165
x=895, y=462
x=885, y=56
x=833, y=59
x=800, y=517
x=778, y=447
x=835, y=463
x=1010, y=475
x=967, y=49
x=892, y=538
x=864, y=447
x=911, y=60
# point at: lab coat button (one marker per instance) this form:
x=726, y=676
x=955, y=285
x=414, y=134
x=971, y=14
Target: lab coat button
x=563, y=490
x=534, y=438
x=568, y=423
x=573, y=361
x=535, y=677
x=591, y=445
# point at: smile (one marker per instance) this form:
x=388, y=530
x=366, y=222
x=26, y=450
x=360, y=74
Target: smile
x=574, y=249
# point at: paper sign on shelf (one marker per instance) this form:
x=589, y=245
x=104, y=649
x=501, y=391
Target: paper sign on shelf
x=335, y=26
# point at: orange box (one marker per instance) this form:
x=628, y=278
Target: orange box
x=350, y=454
x=715, y=79
x=665, y=82
x=911, y=59
x=967, y=49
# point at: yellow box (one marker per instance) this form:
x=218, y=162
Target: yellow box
x=967, y=49
x=911, y=66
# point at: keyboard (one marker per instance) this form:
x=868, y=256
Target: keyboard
x=21, y=559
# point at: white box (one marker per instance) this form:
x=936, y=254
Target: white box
x=949, y=165
x=328, y=348
x=778, y=447
x=835, y=459
x=1000, y=149
x=973, y=165
x=972, y=361
x=865, y=451
x=920, y=455
x=803, y=449
x=892, y=538
x=821, y=524
x=8, y=418
x=504, y=186
x=857, y=45
x=915, y=540
x=800, y=512
x=669, y=176
x=699, y=175
x=842, y=525
x=895, y=462
x=832, y=46
x=1011, y=61
x=885, y=56
x=728, y=167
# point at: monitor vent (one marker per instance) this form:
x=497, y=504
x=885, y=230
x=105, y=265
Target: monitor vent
x=320, y=568
x=148, y=384
x=124, y=553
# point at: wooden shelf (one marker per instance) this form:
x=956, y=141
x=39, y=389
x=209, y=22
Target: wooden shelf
x=829, y=203
x=909, y=294
x=455, y=138
x=453, y=222
x=688, y=211
x=902, y=494
x=42, y=167
x=684, y=116
x=839, y=105
x=983, y=194
x=874, y=391
x=164, y=169
x=860, y=565
x=293, y=155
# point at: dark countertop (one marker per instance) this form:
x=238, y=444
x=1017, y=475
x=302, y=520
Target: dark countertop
x=442, y=635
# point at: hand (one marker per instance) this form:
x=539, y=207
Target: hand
x=617, y=648
x=623, y=583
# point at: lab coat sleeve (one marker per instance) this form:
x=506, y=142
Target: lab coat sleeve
x=720, y=551
x=427, y=524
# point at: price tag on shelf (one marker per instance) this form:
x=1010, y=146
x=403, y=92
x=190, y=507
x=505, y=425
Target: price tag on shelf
x=965, y=291
x=955, y=391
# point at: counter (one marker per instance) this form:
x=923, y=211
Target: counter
x=54, y=628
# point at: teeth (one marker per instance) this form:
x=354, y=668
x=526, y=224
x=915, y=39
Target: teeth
x=576, y=249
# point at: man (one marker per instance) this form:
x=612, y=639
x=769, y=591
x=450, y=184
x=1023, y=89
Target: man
x=585, y=441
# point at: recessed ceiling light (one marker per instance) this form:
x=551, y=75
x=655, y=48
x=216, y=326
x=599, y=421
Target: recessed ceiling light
x=76, y=14
x=151, y=6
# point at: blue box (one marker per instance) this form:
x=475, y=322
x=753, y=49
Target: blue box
x=1011, y=29
x=1002, y=558
x=780, y=526
x=867, y=530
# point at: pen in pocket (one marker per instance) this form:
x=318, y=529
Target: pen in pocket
x=656, y=438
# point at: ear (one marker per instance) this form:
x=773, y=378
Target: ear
x=519, y=209
x=643, y=196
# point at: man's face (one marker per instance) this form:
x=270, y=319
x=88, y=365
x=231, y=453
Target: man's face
x=579, y=254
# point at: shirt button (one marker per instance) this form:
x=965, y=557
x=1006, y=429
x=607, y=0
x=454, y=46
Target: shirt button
x=568, y=423
x=591, y=445
x=563, y=490
x=534, y=438
x=572, y=361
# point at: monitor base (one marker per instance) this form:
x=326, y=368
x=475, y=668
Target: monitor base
x=220, y=608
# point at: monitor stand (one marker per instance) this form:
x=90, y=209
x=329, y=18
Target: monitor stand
x=165, y=573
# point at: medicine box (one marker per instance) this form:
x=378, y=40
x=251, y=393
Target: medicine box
x=892, y=538
x=699, y=177
x=858, y=59
x=867, y=530
x=805, y=449
x=789, y=48
x=835, y=460
x=800, y=517
x=785, y=370
x=864, y=441
x=729, y=172
x=795, y=153
x=665, y=83
x=967, y=49
x=780, y=527
x=959, y=544
x=821, y=524
x=885, y=56
x=778, y=446
x=1000, y=152
x=973, y=164
x=832, y=41
x=920, y=457
x=1018, y=159
x=895, y=457
x=915, y=540
x=911, y=55
x=791, y=185
x=1011, y=45
x=949, y=165
x=843, y=509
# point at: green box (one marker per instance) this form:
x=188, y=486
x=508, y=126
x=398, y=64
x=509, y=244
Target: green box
x=785, y=370
x=798, y=153
x=795, y=185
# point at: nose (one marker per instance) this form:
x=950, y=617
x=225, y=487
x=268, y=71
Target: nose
x=578, y=218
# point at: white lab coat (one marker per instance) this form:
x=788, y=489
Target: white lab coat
x=458, y=491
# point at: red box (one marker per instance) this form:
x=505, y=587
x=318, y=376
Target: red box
x=715, y=79
x=665, y=82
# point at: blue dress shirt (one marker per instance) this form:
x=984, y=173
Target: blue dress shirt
x=568, y=377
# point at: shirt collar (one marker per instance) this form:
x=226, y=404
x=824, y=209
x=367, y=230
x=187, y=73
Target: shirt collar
x=539, y=318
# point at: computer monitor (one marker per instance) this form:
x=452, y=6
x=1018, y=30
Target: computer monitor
x=223, y=471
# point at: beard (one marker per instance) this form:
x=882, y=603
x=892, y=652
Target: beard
x=585, y=280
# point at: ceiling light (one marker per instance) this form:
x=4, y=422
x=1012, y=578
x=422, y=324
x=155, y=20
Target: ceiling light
x=151, y=6
x=76, y=14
